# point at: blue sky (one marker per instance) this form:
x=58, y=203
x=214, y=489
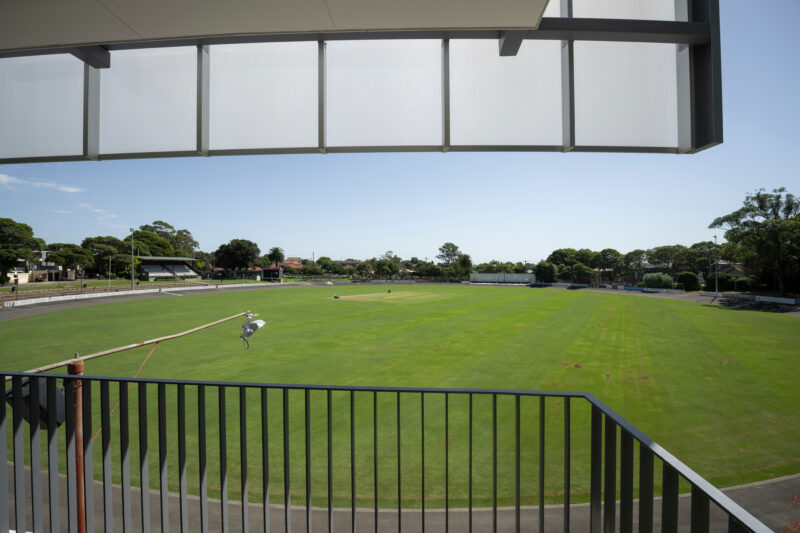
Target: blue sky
x=508, y=206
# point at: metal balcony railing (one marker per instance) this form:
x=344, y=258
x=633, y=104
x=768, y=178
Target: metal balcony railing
x=357, y=458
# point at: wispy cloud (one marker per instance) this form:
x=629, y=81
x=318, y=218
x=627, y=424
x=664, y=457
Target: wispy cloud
x=10, y=181
x=103, y=214
x=7, y=181
x=56, y=186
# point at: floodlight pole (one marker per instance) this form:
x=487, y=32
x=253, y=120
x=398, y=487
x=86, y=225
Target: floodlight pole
x=131, y=258
x=75, y=368
x=716, y=269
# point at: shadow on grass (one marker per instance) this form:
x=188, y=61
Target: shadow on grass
x=736, y=304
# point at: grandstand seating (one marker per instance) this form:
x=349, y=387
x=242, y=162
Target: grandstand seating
x=183, y=270
x=156, y=271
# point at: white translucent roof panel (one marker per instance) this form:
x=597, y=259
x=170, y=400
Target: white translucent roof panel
x=625, y=94
x=624, y=9
x=148, y=101
x=384, y=93
x=263, y=95
x=41, y=106
x=553, y=9
x=505, y=100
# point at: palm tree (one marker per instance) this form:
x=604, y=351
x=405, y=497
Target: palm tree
x=275, y=255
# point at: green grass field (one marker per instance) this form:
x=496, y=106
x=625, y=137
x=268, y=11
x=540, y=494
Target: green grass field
x=715, y=386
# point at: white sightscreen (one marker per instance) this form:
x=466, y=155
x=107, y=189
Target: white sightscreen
x=148, y=101
x=41, y=106
x=624, y=9
x=384, y=93
x=625, y=94
x=512, y=100
x=263, y=95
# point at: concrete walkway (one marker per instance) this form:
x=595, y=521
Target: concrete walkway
x=775, y=502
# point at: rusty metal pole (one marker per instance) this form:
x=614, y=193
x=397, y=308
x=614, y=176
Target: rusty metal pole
x=75, y=368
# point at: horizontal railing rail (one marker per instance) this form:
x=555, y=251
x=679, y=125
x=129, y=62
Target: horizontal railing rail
x=351, y=457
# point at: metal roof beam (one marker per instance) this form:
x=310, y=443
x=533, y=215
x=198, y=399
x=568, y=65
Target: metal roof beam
x=510, y=41
x=94, y=56
x=550, y=28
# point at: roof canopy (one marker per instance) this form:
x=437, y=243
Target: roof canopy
x=92, y=79
x=31, y=25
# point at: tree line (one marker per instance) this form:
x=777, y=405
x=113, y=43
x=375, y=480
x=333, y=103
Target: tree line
x=763, y=235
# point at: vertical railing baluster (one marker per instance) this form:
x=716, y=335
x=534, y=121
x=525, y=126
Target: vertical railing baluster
x=375, y=454
x=105, y=436
x=4, y=511
x=19, y=455
x=265, y=457
x=52, y=452
x=88, y=463
x=36, y=455
x=610, y=485
x=422, y=440
x=72, y=482
x=470, y=464
x=494, y=463
x=330, y=463
x=243, y=456
x=446, y=462
x=669, y=502
x=399, y=473
x=307, y=408
x=700, y=511
x=287, y=515
x=541, y=463
x=567, y=452
x=163, y=482
x=144, y=471
x=626, y=483
x=182, y=482
x=645, y=489
x=223, y=461
x=596, y=471
x=352, y=463
x=516, y=464
x=124, y=449
x=201, y=456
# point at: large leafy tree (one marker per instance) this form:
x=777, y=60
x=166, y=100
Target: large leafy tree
x=103, y=247
x=546, y=272
x=765, y=233
x=563, y=256
x=664, y=257
x=448, y=253
x=330, y=266
x=70, y=256
x=633, y=264
x=608, y=262
x=582, y=273
x=181, y=240
x=150, y=243
x=16, y=242
x=237, y=254
x=464, y=262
